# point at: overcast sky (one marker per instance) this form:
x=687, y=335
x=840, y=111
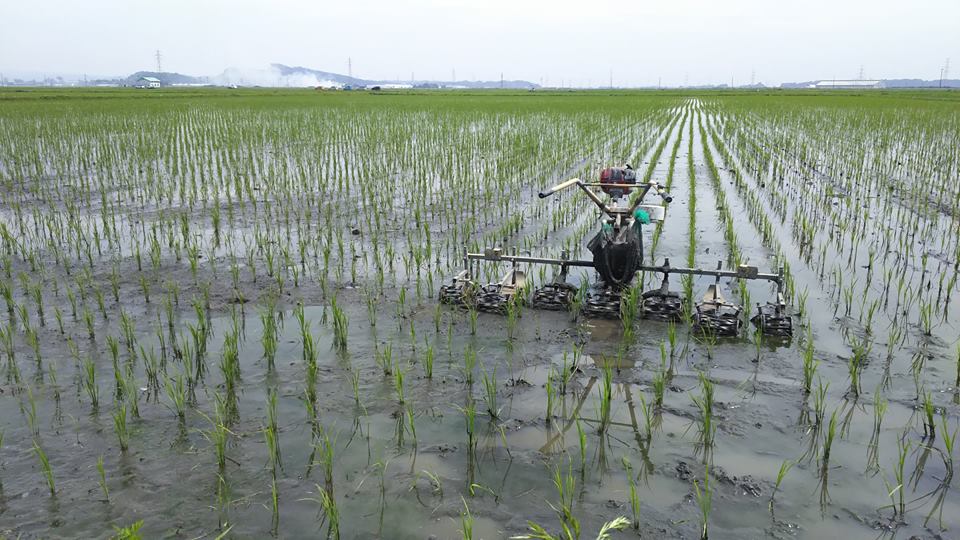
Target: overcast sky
x=543, y=41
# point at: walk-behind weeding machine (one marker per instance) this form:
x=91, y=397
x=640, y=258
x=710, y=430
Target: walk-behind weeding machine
x=617, y=258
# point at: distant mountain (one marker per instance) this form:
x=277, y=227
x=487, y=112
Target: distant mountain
x=166, y=79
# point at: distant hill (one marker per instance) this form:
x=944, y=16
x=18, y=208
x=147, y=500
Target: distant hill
x=166, y=79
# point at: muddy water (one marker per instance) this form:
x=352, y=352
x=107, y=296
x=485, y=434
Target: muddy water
x=392, y=481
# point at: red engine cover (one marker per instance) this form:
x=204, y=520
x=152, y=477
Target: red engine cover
x=617, y=175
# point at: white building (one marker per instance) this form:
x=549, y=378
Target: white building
x=148, y=82
x=846, y=85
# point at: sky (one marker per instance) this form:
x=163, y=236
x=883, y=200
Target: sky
x=552, y=42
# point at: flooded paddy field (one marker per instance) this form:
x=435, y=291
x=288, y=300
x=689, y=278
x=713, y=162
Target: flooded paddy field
x=220, y=317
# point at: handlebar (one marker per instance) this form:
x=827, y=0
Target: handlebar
x=586, y=189
x=558, y=187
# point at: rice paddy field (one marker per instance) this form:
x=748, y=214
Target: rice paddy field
x=220, y=317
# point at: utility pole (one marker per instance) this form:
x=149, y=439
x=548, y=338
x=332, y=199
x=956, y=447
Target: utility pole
x=860, y=75
x=501, y=79
x=659, y=81
x=611, y=78
x=453, y=74
x=158, y=56
x=349, y=67
x=753, y=77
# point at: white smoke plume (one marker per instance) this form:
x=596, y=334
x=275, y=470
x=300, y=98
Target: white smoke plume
x=270, y=77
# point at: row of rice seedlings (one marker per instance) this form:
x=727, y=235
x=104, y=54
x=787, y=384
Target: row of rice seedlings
x=895, y=232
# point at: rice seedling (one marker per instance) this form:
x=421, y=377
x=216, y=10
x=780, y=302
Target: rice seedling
x=582, y=445
x=704, y=403
x=551, y=396
x=272, y=431
x=130, y=532
x=469, y=363
x=469, y=412
x=427, y=361
x=634, y=499
x=31, y=412
x=957, y=383
x=120, y=427
x=355, y=385
x=828, y=437
x=269, y=336
x=398, y=378
x=218, y=433
x=103, y=479
x=704, y=497
x=809, y=364
x=659, y=385
x=473, y=314
x=90, y=384
x=929, y=425
x=855, y=367
x=384, y=357
x=781, y=474
x=45, y=467
x=489, y=381
x=177, y=395
x=329, y=512
x=896, y=492
x=340, y=324
x=606, y=397
x=466, y=521
x=819, y=402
